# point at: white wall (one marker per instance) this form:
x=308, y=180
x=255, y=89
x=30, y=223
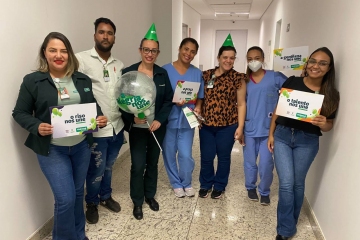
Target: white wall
x=177, y=20
x=192, y=19
x=27, y=202
x=162, y=10
x=332, y=183
x=207, y=37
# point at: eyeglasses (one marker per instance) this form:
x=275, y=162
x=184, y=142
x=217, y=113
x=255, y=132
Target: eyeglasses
x=148, y=50
x=313, y=62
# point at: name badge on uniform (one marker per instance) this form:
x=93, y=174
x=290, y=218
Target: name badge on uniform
x=211, y=82
x=63, y=92
x=106, y=75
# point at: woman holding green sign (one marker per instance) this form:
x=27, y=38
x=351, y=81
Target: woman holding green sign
x=295, y=143
x=64, y=161
x=143, y=146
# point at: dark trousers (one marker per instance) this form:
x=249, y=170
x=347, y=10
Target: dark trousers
x=144, y=163
x=215, y=141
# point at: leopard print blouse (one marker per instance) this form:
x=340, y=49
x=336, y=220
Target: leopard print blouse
x=219, y=106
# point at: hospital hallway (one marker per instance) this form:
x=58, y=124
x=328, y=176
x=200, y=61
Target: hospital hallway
x=233, y=216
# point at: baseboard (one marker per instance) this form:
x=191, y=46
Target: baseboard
x=313, y=221
x=43, y=231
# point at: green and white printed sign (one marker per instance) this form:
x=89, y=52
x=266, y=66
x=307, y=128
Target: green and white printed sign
x=75, y=119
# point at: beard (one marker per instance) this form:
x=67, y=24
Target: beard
x=102, y=48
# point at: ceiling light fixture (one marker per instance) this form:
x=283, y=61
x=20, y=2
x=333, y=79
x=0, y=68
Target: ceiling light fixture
x=229, y=13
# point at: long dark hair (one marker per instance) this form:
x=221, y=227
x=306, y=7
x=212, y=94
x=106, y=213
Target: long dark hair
x=331, y=94
x=248, y=70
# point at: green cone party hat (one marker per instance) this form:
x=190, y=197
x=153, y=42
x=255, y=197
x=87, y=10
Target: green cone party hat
x=151, y=33
x=228, y=42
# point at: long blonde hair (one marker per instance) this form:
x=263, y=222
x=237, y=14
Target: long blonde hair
x=73, y=63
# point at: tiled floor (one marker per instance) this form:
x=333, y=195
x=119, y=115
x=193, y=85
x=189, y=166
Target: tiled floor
x=232, y=217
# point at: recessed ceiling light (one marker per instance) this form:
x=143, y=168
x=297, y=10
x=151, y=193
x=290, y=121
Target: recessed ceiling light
x=228, y=13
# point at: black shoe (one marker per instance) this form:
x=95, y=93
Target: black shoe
x=216, y=194
x=253, y=195
x=204, y=193
x=279, y=237
x=137, y=212
x=92, y=215
x=153, y=204
x=111, y=204
x=265, y=200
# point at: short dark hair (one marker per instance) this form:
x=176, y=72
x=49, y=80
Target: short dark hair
x=193, y=41
x=142, y=41
x=106, y=21
x=226, y=48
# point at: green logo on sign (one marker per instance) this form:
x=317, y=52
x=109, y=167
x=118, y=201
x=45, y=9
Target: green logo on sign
x=300, y=115
x=81, y=129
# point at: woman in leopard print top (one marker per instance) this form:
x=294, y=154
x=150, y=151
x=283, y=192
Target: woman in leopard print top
x=224, y=110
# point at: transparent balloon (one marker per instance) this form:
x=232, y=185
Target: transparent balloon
x=136, y=92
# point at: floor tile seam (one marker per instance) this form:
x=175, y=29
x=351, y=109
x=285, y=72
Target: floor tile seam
x=192, y=217
x=149, y=219
x=124, y=226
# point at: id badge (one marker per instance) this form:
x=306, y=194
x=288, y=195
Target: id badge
x=64, y=94
x=210, y=84
x=106, y=75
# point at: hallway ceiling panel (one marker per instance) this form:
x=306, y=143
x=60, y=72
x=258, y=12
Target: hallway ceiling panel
x=229, y=9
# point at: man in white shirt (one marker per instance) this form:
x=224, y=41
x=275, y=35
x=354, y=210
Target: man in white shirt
x=105, y=72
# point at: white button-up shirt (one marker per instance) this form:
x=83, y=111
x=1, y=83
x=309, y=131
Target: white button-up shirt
x=93, y=65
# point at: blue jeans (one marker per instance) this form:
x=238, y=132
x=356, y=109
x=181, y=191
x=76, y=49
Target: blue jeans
x=65, y=169
x=258, y=146
x=104, y=152
x=294, y=151
x=215, y=141
x=179, y=142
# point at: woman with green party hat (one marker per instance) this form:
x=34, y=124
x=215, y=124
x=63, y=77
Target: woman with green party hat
x=144, y=149
x=224, y=110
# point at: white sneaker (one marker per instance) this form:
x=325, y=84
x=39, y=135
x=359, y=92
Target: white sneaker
x=179, y=192
x=190, y=192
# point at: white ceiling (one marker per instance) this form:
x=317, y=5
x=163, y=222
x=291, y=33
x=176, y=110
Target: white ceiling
x=229, y=9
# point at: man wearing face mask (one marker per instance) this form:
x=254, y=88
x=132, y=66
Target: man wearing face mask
x=104, y=71
x=261, y=97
